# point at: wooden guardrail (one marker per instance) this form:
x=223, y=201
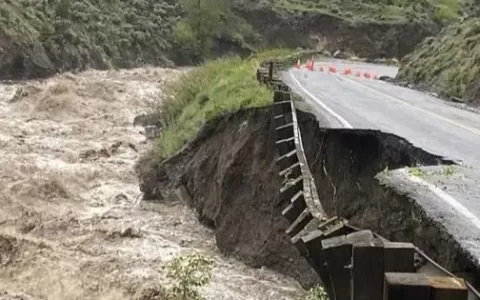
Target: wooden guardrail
x=353, y=264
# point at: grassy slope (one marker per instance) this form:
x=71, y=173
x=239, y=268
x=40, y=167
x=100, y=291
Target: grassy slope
x=98, y=33
x=219, y=86
x=379, y=10
x=449, y=63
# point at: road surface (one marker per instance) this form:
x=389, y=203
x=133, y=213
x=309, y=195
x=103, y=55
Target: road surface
x=427, y=122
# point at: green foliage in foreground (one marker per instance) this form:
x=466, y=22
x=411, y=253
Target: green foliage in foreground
x=189, y=273
x=448, y=63
x=219, y=86
x=315, y=293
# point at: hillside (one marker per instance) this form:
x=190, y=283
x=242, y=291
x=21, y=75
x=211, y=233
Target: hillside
x=448, y=64
x=379, y=10
x=62, y=35
x=40, y=38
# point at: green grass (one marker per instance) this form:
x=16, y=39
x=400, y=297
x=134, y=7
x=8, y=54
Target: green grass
x=417, y=172
x=219, y=86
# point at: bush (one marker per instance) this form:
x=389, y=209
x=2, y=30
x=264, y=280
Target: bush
x=316, y=293
x=189, y=273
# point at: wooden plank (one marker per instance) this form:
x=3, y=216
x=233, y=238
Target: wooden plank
x=364, y=237
x=367, y=269
x=285, y=131
x=298, y=201
x=317, y=257
x=287, y=160
x=448, y=288
x=291, y=213
x=399, y=257
x=281, y=108
x=285, y=146
x=338, y=254
x=291, y=188
x=406, y=286
x=300, y=223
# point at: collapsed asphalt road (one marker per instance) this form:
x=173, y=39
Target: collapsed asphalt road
x=450, y=197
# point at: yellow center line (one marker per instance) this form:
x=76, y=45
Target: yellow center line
x=471, y=129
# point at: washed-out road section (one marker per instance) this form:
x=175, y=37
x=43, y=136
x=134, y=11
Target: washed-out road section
x=450, y=196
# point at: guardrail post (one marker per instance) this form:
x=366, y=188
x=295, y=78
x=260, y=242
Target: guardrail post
x=270, y=70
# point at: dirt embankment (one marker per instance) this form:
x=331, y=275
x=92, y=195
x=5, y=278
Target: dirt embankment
x=313, y=30
x=230, y=171
x=345, y=164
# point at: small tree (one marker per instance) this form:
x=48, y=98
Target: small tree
x=315, y=293
x=189, y=273
x=203, y=21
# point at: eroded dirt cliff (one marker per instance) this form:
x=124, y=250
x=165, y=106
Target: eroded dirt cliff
x=366, y=39
x=349, y=167
x=230, y=172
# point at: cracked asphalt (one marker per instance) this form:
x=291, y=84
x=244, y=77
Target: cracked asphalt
x=439, y=127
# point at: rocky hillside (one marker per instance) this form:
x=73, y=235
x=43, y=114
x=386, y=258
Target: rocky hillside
x=448, y=64
x=39, y=38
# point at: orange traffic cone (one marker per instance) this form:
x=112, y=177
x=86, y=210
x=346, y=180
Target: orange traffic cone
x=347, y=71
x=307, y=65
x=298, y=64
x=332, y=69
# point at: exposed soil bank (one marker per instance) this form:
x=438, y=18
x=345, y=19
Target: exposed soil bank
x=230, y=171
x=345, y=164
x=313, y=29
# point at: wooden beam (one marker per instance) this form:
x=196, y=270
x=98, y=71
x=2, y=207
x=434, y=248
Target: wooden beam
x=338, y=253
x=406, y=286
x=367, y=269
x=399, y=257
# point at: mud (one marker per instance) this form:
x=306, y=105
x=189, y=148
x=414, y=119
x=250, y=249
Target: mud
x=351, y=171
x=72, y=223
x=230, y=171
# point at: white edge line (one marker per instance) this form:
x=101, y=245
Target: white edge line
x=323, y=105
x=447, y=198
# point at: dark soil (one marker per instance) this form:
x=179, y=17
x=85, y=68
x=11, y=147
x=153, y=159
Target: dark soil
x=230, y=172
x=346, y=165
x=366, y=39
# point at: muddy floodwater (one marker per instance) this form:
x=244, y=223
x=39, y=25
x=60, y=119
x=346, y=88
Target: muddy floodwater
x=72, y=223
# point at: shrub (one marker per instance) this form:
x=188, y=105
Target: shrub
x=316, y=293
x=189, y=273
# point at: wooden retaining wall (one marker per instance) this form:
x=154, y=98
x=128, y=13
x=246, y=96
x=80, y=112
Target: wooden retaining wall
x=353, y=264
